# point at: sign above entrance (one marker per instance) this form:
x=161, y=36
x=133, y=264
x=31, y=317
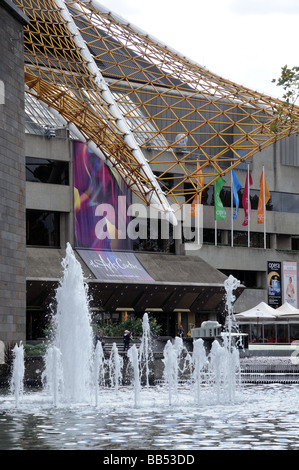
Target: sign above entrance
x=115, y=266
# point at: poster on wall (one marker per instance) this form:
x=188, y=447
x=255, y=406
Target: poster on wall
x=101, y=200
x=274, y=284
x=290, y=282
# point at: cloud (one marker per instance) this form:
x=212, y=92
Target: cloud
x=123, y=8
x=264, y=7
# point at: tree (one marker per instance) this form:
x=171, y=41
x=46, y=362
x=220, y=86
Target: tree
x=289, y=81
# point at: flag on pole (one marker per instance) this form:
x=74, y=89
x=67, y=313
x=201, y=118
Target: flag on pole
x=264, y=197
x=236, y=187
x=246, y=198
x=220, y=213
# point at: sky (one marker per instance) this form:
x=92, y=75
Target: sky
x=245, y=41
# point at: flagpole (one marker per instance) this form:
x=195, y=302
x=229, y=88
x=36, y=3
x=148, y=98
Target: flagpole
x=215, y=232
x=264, y=201
x=248, y=207
x=232, y=211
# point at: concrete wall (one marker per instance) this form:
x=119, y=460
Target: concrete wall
x=12, y=177
x=52, y=197
x=280, y=225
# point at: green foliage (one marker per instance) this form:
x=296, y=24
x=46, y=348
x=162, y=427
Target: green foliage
x=132, y=324
x=289, y=81
x=35, y=350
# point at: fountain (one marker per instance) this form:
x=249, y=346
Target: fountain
x=99, y=370
x=75, y=370
x=18, y=370
x=133, y=356
x=85, y=403
x=145, y=351
x=115, y=364
x=199, y=365
x=72, y=340
x=52, y=375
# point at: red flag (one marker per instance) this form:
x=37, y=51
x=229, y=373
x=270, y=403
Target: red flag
x=246, y=198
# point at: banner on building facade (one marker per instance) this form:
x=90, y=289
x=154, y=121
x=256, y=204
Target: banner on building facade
x=274, y=284
x=96, y=188
x=290, y=282
x=115, y=266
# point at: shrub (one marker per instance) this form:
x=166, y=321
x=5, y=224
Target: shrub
x=133, y=324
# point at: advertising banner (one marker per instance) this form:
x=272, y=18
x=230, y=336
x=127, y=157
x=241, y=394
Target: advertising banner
x=290, y=282
x=274, y=284
x=119, y=266
x=96, y=188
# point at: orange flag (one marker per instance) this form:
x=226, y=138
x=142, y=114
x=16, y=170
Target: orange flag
x=263, y=199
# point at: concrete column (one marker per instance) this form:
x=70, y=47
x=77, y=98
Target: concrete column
x=12, y=176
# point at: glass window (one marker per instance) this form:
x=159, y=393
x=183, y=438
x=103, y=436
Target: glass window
x=279, y=202
x=47, y=171
x=269, y=333
x=295, y=243
x=209, y=236
x=282, y=333
x=42, y=228
x=256, y=239
x=294, y=332
x=246, y=277
x=257, y=333
x=159, y=237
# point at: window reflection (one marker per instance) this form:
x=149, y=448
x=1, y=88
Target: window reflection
x=42, y=228
x=41, y=170
x=156, y=236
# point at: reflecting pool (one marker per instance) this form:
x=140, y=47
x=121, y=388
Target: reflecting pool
x=263, y=417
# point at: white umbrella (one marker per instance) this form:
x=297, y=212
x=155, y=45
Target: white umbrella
x=287, y=310
x=262, y=310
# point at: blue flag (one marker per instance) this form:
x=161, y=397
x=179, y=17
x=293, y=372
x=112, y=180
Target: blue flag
x=236, y=187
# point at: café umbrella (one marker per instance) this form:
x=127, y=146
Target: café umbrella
x=287, y=310
x=261, y=312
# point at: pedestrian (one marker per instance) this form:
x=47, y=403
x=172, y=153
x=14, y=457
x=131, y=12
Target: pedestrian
x=127, y=339
x=99, y=337
x=181, y=331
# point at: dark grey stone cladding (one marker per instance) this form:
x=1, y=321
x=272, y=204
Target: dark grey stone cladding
x=12, y=178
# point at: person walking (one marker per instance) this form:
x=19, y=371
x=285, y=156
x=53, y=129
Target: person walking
x=127, y=339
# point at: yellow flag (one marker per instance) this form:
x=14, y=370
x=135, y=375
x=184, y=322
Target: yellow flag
x=264, y=197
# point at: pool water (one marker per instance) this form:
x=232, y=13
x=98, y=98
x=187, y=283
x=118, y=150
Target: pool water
x=262, y=417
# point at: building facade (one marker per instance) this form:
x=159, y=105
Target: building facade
x=50, y=199
x=113, y=124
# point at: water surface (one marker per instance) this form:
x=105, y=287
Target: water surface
x=263, y=417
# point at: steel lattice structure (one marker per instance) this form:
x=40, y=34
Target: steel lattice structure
x=167, y=125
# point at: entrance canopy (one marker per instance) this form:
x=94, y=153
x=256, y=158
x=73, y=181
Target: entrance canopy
x=167, y=282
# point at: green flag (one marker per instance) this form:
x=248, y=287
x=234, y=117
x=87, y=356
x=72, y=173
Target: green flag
x=220, y=213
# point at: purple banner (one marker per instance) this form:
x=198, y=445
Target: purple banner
x=109, y=266
x=95, y=184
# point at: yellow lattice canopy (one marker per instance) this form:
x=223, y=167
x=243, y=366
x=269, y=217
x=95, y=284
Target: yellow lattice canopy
x=167, y=125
